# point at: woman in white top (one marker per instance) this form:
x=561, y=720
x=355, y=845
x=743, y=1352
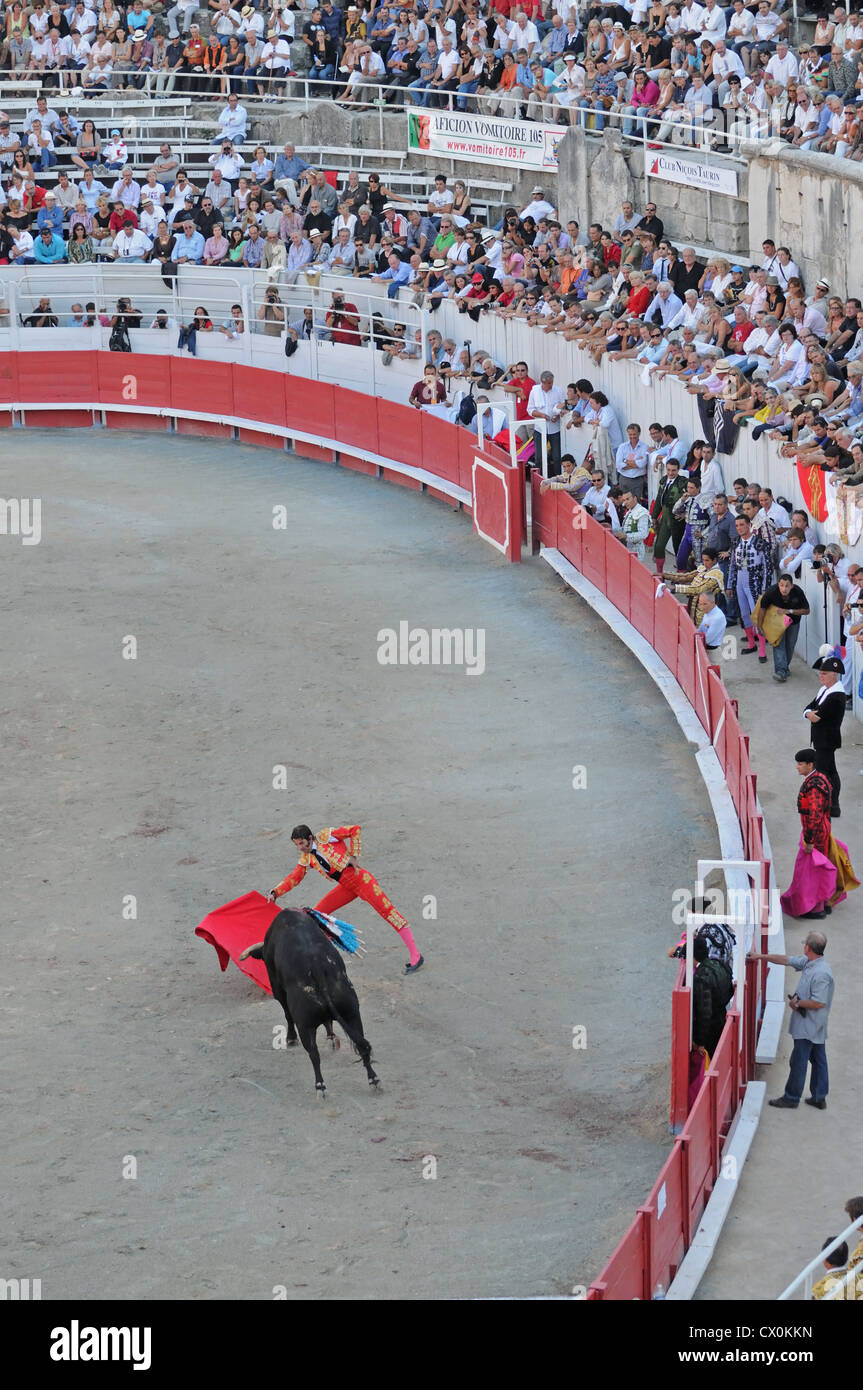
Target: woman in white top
x=151, y=188
x=458, y=253
x=673, y=22
x=261, y=168
x=241, y=197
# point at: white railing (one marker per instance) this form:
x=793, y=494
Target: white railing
x=849, y=1286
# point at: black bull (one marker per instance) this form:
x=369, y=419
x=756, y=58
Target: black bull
x=309, y=980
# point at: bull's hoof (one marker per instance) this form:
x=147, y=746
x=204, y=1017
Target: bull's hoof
x=334, y=1043
x=292, y=1042
x=321, y=1089
x=375, y=1082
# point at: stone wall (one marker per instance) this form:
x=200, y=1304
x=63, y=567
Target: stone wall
x=809, y=202
x=812, y=203
x=597, y=175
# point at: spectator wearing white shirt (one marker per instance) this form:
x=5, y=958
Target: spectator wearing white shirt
x=126, y=191
x=233, y=121
x=226, y=21
x=690, y=17
x=712, y=481
x=42, y=112
x=522, y=33
x=131, y=244
x=151, y=215
x=664, y=304
x=689, y=315
x=741, y=24
x=712, y=23
x=771, y=510
x=595, y=500
x=726, y=63
x=630, y=459
x=228, y=161
x=713, y=622
x=796, y=551
x=791, y=367
x=114, y=152
x=547, y=402
x=538, y=207
x=783, y=65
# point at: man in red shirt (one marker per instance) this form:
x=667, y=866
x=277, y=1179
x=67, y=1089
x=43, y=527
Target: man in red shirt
x=343, y=320
x=519, y=385
x=743, y=326
x=35, y=195
x=120, y=216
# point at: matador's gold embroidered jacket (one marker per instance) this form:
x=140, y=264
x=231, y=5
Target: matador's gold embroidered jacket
x=335, y=846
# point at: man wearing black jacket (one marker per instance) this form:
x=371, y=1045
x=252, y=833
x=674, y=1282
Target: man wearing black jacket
x=686, y=273
x=712, y=988
x=825, y=714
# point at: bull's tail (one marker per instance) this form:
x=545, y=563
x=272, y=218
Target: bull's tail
x=256, y=952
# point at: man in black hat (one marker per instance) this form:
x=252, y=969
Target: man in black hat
x=825, y=714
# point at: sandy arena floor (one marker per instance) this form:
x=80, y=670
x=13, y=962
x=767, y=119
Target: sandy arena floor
x=153, y=777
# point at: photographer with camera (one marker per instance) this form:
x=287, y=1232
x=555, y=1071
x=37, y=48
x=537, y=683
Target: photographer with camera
x=810, y=1009
x=343, y=321
x=272, y=313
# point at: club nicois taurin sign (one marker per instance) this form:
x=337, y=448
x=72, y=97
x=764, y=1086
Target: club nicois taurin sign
x=676, y=169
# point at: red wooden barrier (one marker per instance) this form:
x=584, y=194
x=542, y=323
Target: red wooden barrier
x=206, y=387
x=716, y=694
x=571, y=521
x=440, y=445
x=259, y=395
x=310, y=406
x=618, y=572
x=357, y=421
x=667, y=630
x=686, y=654
x=667, y=1212
x=543, y=516
x=593, y=552
x=400, y=434
x=680, y=1044
x=8, y=386
x=701, y=700
x=642, y=599
x=625, y=1277
x=498, y=500
x=57, y=376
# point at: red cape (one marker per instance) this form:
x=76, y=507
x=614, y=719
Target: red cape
x=237, y=925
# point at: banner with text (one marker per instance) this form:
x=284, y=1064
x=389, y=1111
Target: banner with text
x=491, y=139
x=679, y=169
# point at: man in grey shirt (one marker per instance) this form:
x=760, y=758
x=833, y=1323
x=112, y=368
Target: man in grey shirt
x=810, y=1008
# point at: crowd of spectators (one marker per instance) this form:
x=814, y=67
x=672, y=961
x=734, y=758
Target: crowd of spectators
x=660, y=70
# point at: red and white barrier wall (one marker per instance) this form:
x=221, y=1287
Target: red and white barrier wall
x=411, y=447
x=653, y=1247
x=319, y=420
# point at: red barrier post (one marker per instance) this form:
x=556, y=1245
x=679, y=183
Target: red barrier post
x=681, y=1012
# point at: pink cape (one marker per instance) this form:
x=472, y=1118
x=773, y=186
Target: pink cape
x=813, y=883
x=237, y=925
